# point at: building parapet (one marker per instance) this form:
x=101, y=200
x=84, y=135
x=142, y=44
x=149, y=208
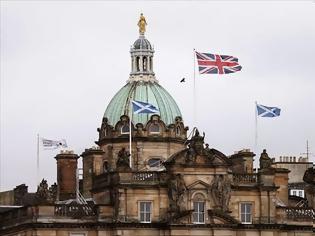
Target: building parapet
x=245, y=178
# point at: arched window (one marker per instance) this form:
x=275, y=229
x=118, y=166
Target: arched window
x=154, y=128
x=138, y=63
x=199, y=206
x=125, y=129
x=145, y=63
x=178, y=131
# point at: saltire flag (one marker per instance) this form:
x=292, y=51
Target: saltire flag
x=53, y=144
x=217, y=64
x=143, y=107
x=264, y=111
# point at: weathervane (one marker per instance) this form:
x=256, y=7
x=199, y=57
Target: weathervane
x=142, y=24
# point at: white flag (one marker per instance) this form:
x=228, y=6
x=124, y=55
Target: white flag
x=53, y=144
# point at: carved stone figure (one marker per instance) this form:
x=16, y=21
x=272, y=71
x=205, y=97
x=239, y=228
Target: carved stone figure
x=309, y=178
x=123, y=158
x=191, y=154
x=176, y=193
x=226, y=194
x=42, y=193
x=53, y=193
x=208, y=153
x=221, y=192
x=142, y=24
x=264, y=160
x=217, y=190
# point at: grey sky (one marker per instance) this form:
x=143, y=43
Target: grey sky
x=62, y=62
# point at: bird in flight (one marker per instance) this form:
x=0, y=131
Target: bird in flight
x=182, y=80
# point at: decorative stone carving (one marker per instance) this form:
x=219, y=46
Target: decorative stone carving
x=309, y=178
x=191, y=154
x=176, y=193
x=53, y=192
x=196, y=147
x=221, y=192
x=42, y=192
x=208, y=153
x=264, y=160
x=123, y=159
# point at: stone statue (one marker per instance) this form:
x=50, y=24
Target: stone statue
x=191, y=154
x=123, y=158
x=176, y=193
x=42, y=193
x=226, y=194
x=221, y=192
x=208, y=153
x=142, y=24
x=309, y=178
x=264, y=160
x=53, y=192
x=217, y=190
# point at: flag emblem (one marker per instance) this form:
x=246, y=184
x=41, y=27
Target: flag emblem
x=143, y=107
x=265, y=111
x=53, y=144
x=217, y=64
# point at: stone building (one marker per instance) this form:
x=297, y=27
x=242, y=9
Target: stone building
x=297, y=167
x=165, y=183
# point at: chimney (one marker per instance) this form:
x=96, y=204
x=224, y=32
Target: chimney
x=67, y=163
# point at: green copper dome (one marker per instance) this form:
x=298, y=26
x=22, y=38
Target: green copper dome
x=145, y=91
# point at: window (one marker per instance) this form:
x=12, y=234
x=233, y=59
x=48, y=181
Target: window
x=294, y=192
x=154, y=128
x=154, y=162
x=125, y=129
x=145, y=212
x=78, y=234
x=199, y=212
x=246, y=213
x=178, y=131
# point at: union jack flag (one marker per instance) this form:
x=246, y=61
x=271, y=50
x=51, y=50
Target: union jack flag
x=217, y=64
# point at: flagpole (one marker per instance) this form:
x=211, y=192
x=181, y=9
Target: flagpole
x=37, y=161
x=194, y=92
x=256, y=130
x=130, y=114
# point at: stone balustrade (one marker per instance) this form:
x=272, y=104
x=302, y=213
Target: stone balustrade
x=295, y=214
x=245, y=178
x=140, y=177
x=74, y=210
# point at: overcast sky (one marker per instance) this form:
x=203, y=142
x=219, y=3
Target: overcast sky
x=62, y=62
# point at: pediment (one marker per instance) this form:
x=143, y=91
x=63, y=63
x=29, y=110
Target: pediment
x=198, y=185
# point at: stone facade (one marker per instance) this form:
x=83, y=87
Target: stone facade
x=165, y=182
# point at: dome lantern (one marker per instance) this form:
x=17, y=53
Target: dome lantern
x=142, y=56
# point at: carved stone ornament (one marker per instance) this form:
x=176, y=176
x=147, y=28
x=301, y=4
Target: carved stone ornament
x=177, y=193
x=221, y=192
x=196, y=147
x=264, y=160
x=45, y=195
x=123, y=159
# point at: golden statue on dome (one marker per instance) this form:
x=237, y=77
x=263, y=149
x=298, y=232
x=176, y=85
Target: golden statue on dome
x=142, y=23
